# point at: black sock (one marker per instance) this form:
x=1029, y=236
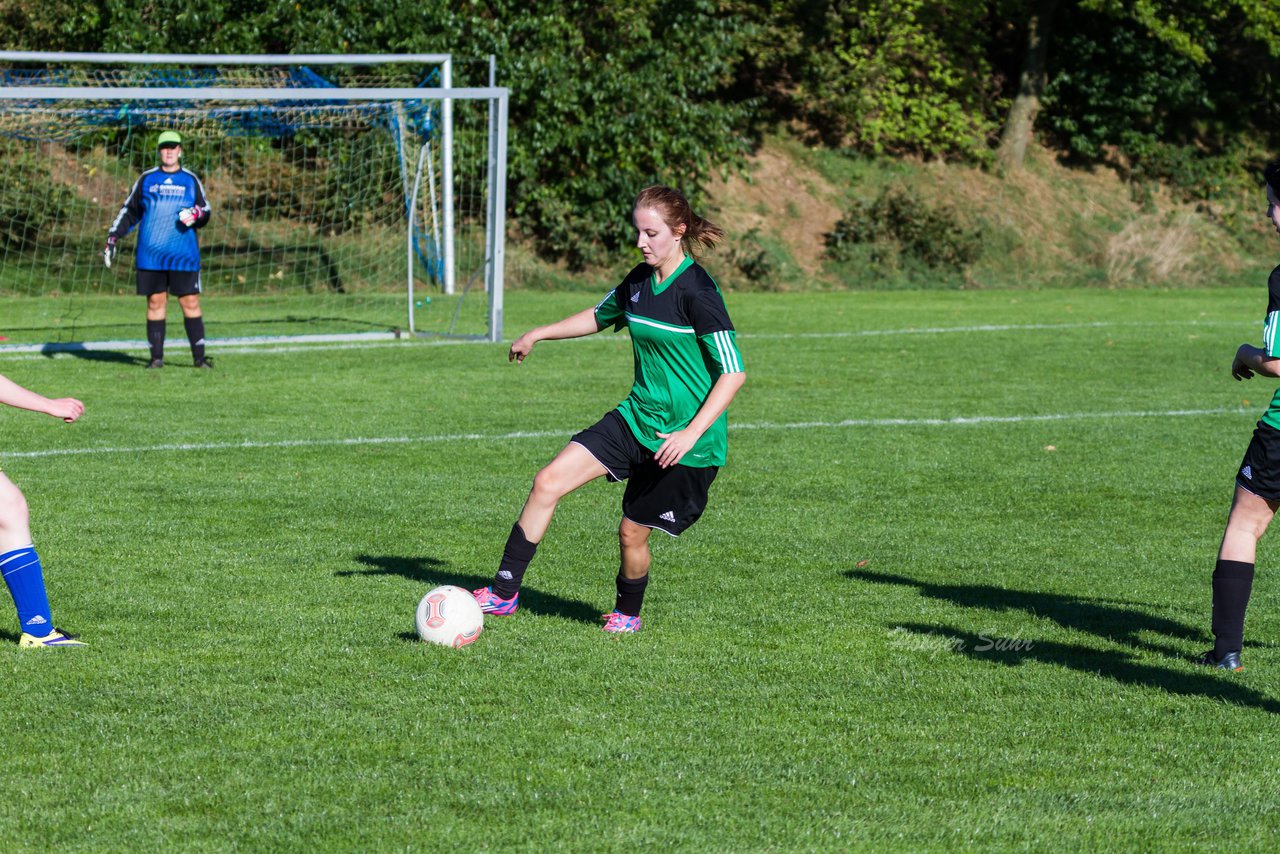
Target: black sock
x=155, y=337
x=515, y=560
x=1232, y=584
x=630, y=594
x=195, y=334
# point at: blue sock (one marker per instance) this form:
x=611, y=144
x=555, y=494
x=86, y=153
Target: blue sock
x=21, y=570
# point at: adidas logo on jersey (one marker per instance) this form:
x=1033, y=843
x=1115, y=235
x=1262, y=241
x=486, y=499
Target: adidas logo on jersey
x=668, y=517
x=1247, y=471
x=635, y=297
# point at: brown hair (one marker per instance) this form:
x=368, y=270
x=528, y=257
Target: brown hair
x=673, y=207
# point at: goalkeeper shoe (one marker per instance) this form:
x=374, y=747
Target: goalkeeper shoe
x=156, y=363
x=1229, y=661
x=204, y=362
x=619, y=623
x=492, y=603
x=55, y=638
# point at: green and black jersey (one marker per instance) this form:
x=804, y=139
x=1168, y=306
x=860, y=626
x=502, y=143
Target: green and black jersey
x=683, y=341
x=1271, y=341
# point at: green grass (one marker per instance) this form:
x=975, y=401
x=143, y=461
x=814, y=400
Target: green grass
x=892, y=630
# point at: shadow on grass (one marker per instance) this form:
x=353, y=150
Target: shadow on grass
x=1212, y=684
x=79, y=351
x=431, y=571
x=1109, y=620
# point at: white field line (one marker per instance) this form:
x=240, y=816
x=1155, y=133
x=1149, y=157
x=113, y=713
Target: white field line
x=241, y=346
x=204, y=447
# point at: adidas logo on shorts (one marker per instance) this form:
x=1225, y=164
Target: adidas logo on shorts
x=668, y=517
x=1247, y=471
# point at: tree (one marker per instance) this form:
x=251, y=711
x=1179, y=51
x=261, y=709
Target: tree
x=1031, y=83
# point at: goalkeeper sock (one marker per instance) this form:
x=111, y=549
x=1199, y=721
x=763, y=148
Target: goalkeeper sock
x=630, y=594
x=195, y=334
x=22, y=573
x=155, y=337
x=515, y=560
x=1232, y=584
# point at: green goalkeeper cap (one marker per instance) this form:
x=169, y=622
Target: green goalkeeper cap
x=169, y=136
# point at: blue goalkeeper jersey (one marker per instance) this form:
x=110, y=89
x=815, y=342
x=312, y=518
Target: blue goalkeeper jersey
x=154, y=203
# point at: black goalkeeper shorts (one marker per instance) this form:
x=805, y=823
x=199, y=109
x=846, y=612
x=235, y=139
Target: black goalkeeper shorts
x=669, y=499
x=180, y=283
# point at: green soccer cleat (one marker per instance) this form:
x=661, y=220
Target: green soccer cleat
x=53, y=640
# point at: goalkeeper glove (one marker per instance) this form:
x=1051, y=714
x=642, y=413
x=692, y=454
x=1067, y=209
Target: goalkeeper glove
x=188, y=216
x=109, y=253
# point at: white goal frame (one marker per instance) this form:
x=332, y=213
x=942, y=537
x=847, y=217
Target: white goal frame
x=497, y=97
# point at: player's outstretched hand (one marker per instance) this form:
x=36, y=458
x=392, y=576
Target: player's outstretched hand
x=66, y=408
x=109, y=252
x=521, y=347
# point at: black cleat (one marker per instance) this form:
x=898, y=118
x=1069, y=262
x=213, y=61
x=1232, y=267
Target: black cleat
x=204, y=363
x=1229, y=661
x=156, y=363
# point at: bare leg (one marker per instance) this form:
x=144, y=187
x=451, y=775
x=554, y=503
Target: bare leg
x=572, y=467
x=633, y=541
x=15, y=518
x=1248, y=521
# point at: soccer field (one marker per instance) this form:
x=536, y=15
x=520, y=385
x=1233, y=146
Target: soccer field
x=945, y=595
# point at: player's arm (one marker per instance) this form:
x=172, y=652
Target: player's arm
x=575, y=326
x=1252, y=360
x=124, y=222
x=12, y=394
x=679, y=443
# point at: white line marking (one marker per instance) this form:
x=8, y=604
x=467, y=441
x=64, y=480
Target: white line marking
x=546, y=434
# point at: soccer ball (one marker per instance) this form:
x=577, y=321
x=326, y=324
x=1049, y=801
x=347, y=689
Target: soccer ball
x=449, y=616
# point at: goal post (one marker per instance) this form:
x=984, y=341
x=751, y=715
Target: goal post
x=309, y=183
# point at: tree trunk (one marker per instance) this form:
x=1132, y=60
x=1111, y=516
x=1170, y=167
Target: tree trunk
x=1022, y=115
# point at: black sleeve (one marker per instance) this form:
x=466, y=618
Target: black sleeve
x=202, y=205
x=129, y=214
x=706, y=310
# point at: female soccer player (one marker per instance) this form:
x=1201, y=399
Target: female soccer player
x=1257, y=492
x=167, y=203
x=668, y=438
x=19, y=562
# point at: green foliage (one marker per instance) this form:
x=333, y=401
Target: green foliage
x=753, y=261
x=898, y=224
x=23, y=219
x=1117, y=88
x=877, y=76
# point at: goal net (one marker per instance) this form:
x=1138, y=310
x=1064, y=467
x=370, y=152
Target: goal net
x=349, y=196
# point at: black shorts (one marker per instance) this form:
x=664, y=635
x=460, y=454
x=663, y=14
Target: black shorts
x=180, y=283
x=1260, y=469
x=669, y=499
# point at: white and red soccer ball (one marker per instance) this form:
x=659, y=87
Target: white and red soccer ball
x=449, y=616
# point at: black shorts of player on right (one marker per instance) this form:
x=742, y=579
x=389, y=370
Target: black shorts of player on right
x=669, y=499
x=1259, y=471
x=180, y=283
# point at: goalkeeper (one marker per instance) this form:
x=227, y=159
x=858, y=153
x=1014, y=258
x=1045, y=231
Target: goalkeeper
x=167, y=204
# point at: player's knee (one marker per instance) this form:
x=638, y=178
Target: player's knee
x=13, y=507
x=548, y=485
x=631, y=535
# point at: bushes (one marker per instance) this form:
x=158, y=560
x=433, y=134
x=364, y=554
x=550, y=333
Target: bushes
x=898, y=226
